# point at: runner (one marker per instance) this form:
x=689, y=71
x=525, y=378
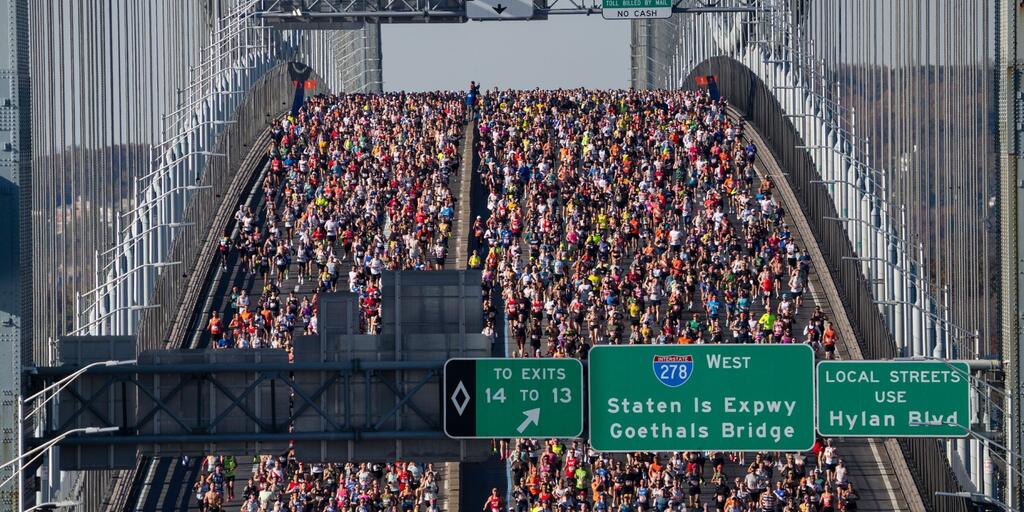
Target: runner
x=493, y=502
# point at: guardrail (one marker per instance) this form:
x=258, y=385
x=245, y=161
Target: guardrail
x=749, y=95
x=209, y=211
x=211, y=208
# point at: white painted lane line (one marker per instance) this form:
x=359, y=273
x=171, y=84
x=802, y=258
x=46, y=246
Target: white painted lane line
x=885, y=475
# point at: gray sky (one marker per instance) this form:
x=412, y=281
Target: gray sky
x=564, y=51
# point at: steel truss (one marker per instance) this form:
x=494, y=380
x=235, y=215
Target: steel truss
x=328, y=14
x=287, y=402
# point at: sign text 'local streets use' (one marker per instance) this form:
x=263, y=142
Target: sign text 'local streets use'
x=893, y=398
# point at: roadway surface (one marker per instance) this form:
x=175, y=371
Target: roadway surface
x=870, y=467
x=882, y=481
x=478, y=478
x=167, y=483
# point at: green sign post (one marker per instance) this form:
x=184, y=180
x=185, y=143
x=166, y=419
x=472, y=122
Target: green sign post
x=893, y=399
x=701, y=397
x=503, y=397
x=636, y=9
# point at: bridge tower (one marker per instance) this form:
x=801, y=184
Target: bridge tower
x=893, y=105
x=1010, y=90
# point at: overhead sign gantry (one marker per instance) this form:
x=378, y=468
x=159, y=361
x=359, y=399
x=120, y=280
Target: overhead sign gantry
x=728, y=397
x=335, y=14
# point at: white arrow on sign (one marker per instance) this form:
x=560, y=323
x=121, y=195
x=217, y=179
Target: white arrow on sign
x=499, y=9
x=532, y=416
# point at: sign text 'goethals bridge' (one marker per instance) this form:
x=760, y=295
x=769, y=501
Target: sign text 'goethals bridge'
x=701, y=397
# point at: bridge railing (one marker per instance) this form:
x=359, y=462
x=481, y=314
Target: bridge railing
x=760, y=108
x=223, y=182
x=922, y=305
x=235, y=62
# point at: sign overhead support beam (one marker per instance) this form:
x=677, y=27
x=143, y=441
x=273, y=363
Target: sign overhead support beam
x=286, y=15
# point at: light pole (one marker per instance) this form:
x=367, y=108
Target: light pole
x=183, y=134
x=111, y=313
x=190, y=153
x=116, y=246
x=122, y=276
x=54, y=504
x=973, y=364
x=875, y=228
x=56, y=387
x=975, y=497
x=1009, y=461
x=979, y=384
x=66, y=381
x=148, y=204
x=39, y=451
x=957, y=332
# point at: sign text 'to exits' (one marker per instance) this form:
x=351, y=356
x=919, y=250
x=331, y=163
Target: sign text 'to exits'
x=503, y=397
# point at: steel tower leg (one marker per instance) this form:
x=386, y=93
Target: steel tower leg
x=1011, y=139
x=373, y=59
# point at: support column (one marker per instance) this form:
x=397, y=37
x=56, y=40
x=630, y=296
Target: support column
x=1010, y=27
x=16, y=290
x=373, y=58
x=357, y=61
x=640, y=44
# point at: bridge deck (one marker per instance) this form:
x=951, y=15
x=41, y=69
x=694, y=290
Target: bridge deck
x=879, y=479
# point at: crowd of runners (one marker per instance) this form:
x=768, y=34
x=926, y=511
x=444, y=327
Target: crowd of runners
x=611, y=218
x=356, y=185
x=284, y=484
x=638, y=217
x=552, y=475
x=633, y=217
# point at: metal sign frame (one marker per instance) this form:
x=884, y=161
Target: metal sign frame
x=276, y=429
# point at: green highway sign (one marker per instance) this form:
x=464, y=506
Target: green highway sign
x=893, y=398
x=701, y=397
x=636, y=9
x=504, y=397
